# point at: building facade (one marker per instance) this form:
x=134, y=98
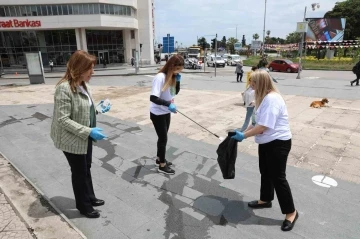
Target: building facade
x=112, y=30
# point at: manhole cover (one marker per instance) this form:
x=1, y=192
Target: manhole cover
x=324, y=181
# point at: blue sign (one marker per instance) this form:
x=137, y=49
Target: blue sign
x=168, y=44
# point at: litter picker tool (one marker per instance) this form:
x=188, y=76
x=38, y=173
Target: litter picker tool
x=217, y=136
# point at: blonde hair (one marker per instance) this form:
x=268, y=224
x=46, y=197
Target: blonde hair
x=79, y=63
x=264, y=85
x=171, y=65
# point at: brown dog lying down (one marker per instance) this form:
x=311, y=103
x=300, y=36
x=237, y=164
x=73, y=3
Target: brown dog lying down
x=318, y=104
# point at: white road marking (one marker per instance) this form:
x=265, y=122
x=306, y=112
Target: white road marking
x=324, y=181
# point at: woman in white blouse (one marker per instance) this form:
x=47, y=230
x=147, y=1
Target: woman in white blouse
x=272, y=133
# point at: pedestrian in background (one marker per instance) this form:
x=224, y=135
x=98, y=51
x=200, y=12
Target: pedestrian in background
x=165, y=85
x=272, y=133
x=51, y=63
x=239, y=71
x=73, y=128
x=132, y=61
x=249, y=98
x=356, y=71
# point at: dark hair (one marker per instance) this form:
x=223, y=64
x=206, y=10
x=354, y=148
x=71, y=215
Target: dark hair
x=254, y=68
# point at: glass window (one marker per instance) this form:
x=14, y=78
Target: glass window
x=44, y=11
x=7, y=11
x=2, y=11
x=39, y=10
x=96, y=8
x=86, y=9
x=75, y=9
x=107, y=8
x=112, y=10
x=49, y=10
x=81, y=9
x=128, y=11
x=54, y=10
x=34, y=11
x=65, y=10
x=102, y=8
x=132, y=33
x=70, y=9
x=12, y=11
x=59, y=8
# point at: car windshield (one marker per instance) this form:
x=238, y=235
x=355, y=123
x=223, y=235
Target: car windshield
x=218, y=58
x=194, y=51
x=235, y=57
x=289, y=62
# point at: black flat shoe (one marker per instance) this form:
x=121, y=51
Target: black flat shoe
x=97, y=202
x=157, y=162
x=93, y=214
x=287, y=225
x=256, y=204
x=351, y=83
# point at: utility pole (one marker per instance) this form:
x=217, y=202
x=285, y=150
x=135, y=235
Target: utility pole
x=215, y=52
x=236, y=31
x=301, y=49
x=264, y=27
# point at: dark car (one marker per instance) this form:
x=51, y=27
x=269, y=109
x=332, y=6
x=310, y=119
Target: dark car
x=284, y=65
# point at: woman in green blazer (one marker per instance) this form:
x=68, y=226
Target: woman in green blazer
x=74, y=128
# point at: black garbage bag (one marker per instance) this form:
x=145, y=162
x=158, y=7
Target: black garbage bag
x=227, y=153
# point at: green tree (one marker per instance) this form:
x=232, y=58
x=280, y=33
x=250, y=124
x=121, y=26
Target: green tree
x=268, y=32
x=223, y=42
x=243, y=41
x=201, y=42
x=294, y=37
x=256, y=36
x=230, y=44
x=349, y=9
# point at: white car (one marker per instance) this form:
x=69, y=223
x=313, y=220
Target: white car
x=211, y=61
x=233, y=60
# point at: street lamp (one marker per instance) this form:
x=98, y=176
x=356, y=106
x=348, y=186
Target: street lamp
x=313, y=6
x=264, y=25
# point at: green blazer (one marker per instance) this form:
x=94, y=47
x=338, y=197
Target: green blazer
x=71, y=120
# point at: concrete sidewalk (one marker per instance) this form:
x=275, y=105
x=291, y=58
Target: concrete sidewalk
x=24, y=213
x=194, y=203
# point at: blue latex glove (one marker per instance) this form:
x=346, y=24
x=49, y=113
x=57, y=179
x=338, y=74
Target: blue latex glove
x=239, y=136
x=96, y=134
x=104, y=110
x=172, y=108
x=178, y=77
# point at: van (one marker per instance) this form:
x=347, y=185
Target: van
x=233, y=60
x=211, y=61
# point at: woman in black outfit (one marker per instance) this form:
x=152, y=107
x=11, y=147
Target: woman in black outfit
x=165, y=85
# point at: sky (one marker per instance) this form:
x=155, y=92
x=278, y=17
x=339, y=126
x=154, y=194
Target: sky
x=188, y=19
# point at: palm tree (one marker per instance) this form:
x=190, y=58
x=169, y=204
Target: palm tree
x=230, y=44
x=267, y=35
x=256, y=36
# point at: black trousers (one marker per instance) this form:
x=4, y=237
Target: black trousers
x=272, y=163
x=239, y=75
x=81, y=179
x=161, y=124
x=357, y=79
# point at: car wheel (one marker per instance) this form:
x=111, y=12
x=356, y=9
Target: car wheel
x=271, y=69
x=208, y=64
x=288, y=70
x=224, y=66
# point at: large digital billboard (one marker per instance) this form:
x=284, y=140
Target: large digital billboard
x=325, y=29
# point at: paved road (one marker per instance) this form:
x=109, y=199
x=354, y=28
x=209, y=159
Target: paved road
x=194, y=203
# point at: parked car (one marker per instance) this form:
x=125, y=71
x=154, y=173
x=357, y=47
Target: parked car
x=211, y=61
x=225, y=57
x=192, y=63
x=284, y=65
x=233, y=60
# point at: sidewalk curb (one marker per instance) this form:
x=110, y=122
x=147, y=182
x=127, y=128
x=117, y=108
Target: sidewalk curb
x=126, y=74
x=28, y=227
x=45, y=197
